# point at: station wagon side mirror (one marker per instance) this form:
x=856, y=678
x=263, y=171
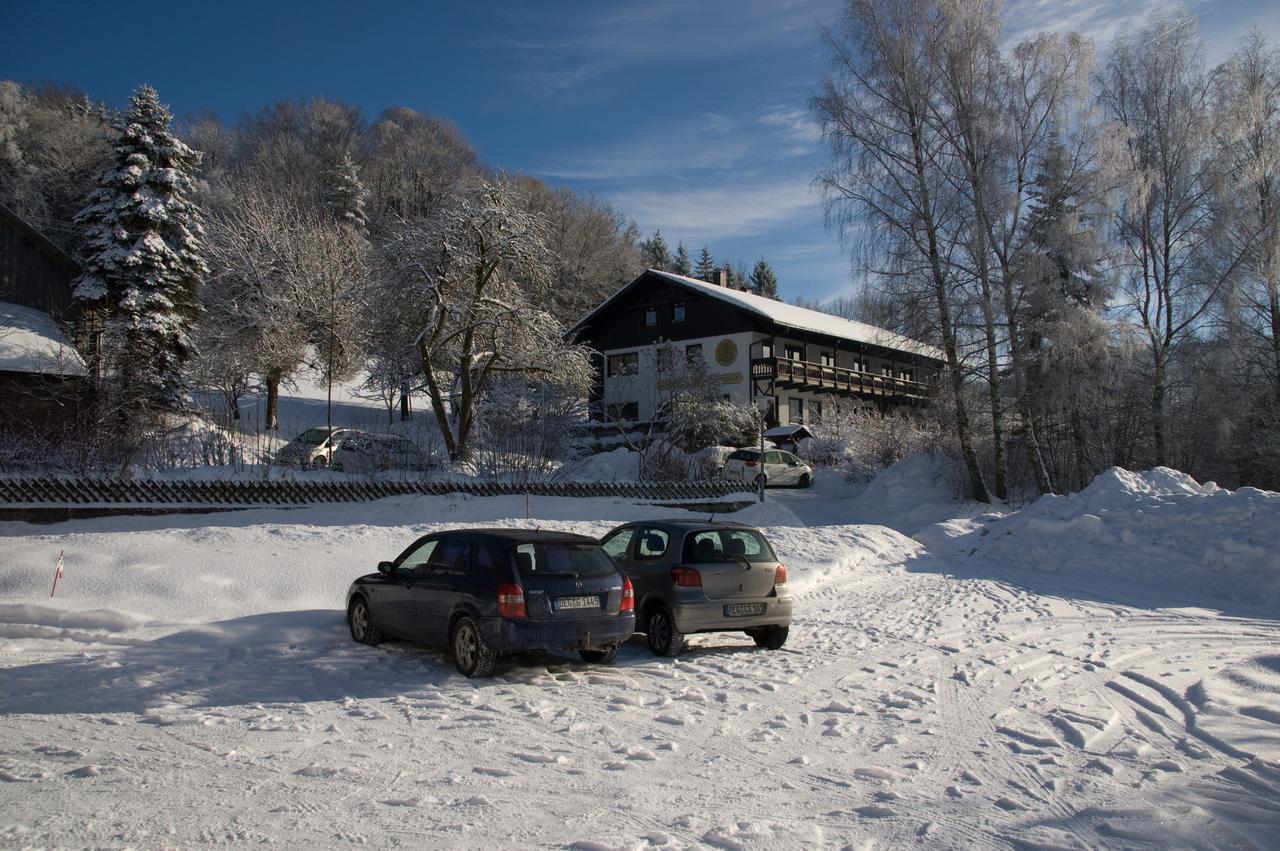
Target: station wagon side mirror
x=386, y=566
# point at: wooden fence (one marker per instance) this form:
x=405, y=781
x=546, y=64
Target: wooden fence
x=117, y=492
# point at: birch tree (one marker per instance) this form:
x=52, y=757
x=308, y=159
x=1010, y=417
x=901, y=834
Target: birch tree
x=888, y=164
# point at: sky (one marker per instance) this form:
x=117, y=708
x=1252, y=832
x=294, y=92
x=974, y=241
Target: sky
x=689, y=117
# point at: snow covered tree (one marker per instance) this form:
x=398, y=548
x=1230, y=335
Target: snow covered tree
x=655, y=253
x=347, y=195
x=477, y=275
x=763, y=281
x=145, y=258
x=681, y=265
x=706, y=268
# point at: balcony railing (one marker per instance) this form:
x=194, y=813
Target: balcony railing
x=813, y=376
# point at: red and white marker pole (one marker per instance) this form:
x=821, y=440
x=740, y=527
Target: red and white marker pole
x=57, y=574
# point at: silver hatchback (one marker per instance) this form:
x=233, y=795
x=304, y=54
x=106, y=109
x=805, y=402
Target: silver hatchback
x=692, y=576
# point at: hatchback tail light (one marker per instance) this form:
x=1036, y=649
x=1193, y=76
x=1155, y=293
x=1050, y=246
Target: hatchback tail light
x=511, y=601
x=780, y=575
x=686, y=577
x=628, y=597
x=749, y=463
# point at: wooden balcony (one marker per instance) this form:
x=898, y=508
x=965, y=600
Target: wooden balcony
x=802, y=375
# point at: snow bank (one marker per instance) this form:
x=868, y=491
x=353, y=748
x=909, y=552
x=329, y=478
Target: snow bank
x=911, y=494
x=620, y=465
x=1159, y=528
x=30, y=341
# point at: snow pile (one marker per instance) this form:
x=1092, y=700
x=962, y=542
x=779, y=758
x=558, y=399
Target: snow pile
x=30, y=341
x=1158, y=528
x=620, y=465
x=911, y=494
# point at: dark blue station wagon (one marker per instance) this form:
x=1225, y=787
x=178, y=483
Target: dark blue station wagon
x=488, y=592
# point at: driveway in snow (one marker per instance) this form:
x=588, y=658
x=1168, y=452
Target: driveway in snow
x=193, y=683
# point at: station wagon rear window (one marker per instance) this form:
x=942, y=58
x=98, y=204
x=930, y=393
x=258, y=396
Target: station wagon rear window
x=714, y=545
x=561, y=558
x=745, y=455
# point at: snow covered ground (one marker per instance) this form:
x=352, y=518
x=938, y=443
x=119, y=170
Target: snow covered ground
x=1098, y=670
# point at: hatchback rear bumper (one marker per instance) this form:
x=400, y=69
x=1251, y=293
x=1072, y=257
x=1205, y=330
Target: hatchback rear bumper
x=506, y=636
x=709, y=616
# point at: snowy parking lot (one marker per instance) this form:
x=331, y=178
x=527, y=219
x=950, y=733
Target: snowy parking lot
x=1099, y=670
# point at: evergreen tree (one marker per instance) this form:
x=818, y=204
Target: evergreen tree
x=681, y=265
x=655, y=253
x=144, y=257
x=763, y=281
x=706, y=268
x=347, y=195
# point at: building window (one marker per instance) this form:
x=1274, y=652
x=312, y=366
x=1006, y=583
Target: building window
x=859, y=365
x=907, y=375
x=827, y=358
x=677, y=312
x=629, y=411
x=693, y=352
x=795, y=352
x=664, y=358
x=728, y=398
x=625, y=364
x=795, y=410
x=650, y=317
x=887, y=370
x=766, y=350
x=815, y=411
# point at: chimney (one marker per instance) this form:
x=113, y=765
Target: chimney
x=720, y=277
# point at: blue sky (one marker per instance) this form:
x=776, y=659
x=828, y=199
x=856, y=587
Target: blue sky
x=686, y=116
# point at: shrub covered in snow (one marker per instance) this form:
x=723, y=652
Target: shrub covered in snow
x=860, y=442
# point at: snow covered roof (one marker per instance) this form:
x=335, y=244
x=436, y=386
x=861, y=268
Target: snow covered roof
x=30, y=341
x=791, y=316
x=788, y=432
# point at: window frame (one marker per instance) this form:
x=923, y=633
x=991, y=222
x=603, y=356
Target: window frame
x=650, y=317
x=616, y=365
x=679, y=311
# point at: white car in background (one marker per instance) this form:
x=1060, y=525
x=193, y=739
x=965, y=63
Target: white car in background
x=313, y=449
x=777, y=468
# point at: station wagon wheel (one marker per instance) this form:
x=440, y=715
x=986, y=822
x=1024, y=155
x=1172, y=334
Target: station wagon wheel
x=663, y=637
x=360, y=620
x=805, y=481
x=761, y=480
x=600, y=657
x=319, y=462
x=471, y=656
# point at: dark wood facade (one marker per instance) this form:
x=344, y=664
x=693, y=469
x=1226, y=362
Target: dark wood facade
x=783, y=360
x=34, y=272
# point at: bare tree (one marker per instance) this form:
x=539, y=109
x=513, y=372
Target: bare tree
x=889, y=164
x=477, y=274
x=1155, y=87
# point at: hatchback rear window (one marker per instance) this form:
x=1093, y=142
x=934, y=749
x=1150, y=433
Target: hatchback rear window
x=745, y=455
x=713, y=545
x=561, y=558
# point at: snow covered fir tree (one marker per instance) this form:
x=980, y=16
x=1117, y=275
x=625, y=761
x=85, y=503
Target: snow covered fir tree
x=144, y=260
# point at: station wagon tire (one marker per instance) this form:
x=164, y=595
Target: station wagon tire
x=360, y=619
x=471, y=656
x=600, y=657
x=770, y=637
x=761, y=481
x=319, y=463
x=661, y=633
x=805, y=481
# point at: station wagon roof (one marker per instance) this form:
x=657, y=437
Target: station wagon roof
x=689, y=525
x=522, y=536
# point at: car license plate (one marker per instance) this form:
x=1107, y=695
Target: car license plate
x=738, y=610
x=578, y=603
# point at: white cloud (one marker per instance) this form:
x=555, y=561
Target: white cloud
x=729, y=209
x=794, y=127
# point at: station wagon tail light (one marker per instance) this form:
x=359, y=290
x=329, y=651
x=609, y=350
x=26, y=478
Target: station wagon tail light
x=686, y=577
x=780, y=575
x=511, y=600
x=628, y=597
x=749, y=463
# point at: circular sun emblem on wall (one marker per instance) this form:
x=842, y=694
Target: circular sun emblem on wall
x=726, y=352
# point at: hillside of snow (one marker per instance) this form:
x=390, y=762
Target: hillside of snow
x=1094, y=670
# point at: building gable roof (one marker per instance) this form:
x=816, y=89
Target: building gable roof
x=787, y=316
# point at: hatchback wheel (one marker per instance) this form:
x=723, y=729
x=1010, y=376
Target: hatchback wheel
x=600, y=657
x=319, y=463
x=360, y=620
x=664, y=639
x=471, y=656
x=770, y=637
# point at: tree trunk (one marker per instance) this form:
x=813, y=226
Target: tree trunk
x=1157, y=411
x=233, y=403
x=437, y=400
x=405, y=413
x=1079, y=448
x=993, y=384
x=1273, y=294
x=273, y=399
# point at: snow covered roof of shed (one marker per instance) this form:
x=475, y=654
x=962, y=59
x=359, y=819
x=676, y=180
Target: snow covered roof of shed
x=30, y=341
x=789, y=316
